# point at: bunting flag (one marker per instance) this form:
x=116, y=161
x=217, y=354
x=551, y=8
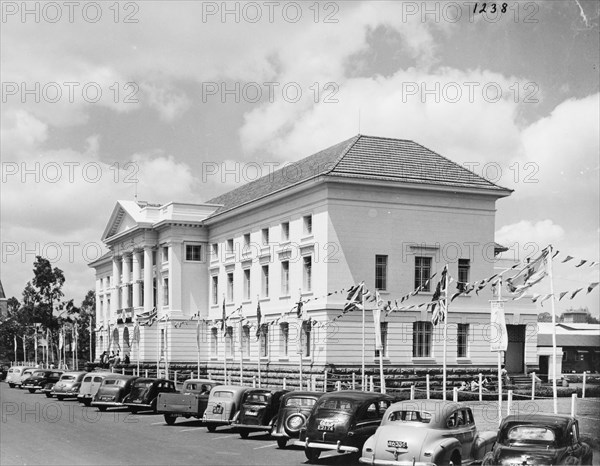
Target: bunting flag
x=224, y=318
x=258, y=320
x=581, y=263
x=591, y=287
x=567, y=259
x=439, y=298
x=136, y=334
x=545, y=298
x=575, y=292
x=354, y=299
x=562, y=295
x=498, y=342
x=377, y=328
x=533, y=272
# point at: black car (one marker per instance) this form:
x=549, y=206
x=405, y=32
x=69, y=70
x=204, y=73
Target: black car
x=40, y=379
x=144, y=393
x=342, y=421
x=539, y=439
x=294, y=410
x=259, y=407
x=112, y=392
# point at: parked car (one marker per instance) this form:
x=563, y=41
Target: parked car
x=40, y=378
x=89, y=386
x=68, y=385
x=4, y=367
x=144, y=393
x=13, y=377
x=25, y=374
x=190, y=402
x=294, y=410
x=112, y=391
x=539, y=439
x=224, y=403
x=258, y=410
x=342, y=421
x=427, y=432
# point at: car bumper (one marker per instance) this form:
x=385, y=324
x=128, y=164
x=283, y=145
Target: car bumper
x=251, y=427
x=376, y=462
x=71, y=393
x=138, y=405
x=326, y=446
x=108, y=404
x=36, y=387
x=217, y=422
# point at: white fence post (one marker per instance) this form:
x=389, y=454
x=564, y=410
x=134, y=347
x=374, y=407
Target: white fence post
x=427, y=386
x=284, y=383
x=509, y=402
x=412, y=392
x=353, y=381
x=573, y=402
x=371, y=385
x=583, y=388
x=532, y=386
x=480, y=387
x=338, y=386
x=325, y=381
x=122, y=371
x=455, y=394
x=254, y=381
x=146, y=373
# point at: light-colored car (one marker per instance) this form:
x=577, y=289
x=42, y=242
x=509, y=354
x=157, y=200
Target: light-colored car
x=25, y=374
x=224, y=403
x=427, y=432
x=68, y=385
x=13, y=377
x=89, y=386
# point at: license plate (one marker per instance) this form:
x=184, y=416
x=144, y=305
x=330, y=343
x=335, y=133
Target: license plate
x=397, y=444
x=251, y=413
x=218, y=409
x=327, y=426
x=106, y=398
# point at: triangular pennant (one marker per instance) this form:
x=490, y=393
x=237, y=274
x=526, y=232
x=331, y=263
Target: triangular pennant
x=566, y=259
x=575, y=293
x=591, y=287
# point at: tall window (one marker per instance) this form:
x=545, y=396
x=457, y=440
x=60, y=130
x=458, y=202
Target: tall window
x=141, y=295
x=422, y=272
x=265, y=236
x=230, y=287
x=422, y=332
x=214, y=341
x=384, y=330
x=265, y=281
x=464, y=267
x=462, y=350
x=264, y=341
x=306, y=339
x=246, y=242
x=193, y=252
x=285, y=278
x=165, y=291
x=285, y=231
x=307, y=224
x=214, y=251
x=215, y=289
x=284, y=330
x=381, y=272
x=229, y=342
x=246, y=340
x=165, y=254
x=229, y=246
x=130, y=294
x=162, y=342
x=246, y=284
x=307, y=273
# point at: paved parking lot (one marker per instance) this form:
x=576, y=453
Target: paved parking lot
x=38, y=430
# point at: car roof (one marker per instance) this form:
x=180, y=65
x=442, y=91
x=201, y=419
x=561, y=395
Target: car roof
x=299, y=393
x=355, y=395
x=76, y=373
x=539, y=418
x=230, y=388
x=121, y=376
x=439, y=410
x=200, y=381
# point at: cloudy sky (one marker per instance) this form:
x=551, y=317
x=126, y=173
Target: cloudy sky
x=184, y=100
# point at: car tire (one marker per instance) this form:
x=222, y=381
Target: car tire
x=211, y=428
x=134, y=410
x=102, y=408
x=281, y=443
x=244, y=434
x=455, y=459
x=87, y=402
x=48, y=395
x=170, y=419
x=60, y=397
x=312, y=454
x=32, y=390
x=11, y=385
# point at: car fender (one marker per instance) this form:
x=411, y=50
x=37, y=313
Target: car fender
x=442, y=451
x=483, y=444
x=369, y=444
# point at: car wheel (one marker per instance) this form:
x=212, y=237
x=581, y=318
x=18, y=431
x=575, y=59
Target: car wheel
x=32, y=390
x=102, y=408
x=60, y=397
x=48, y=395
x=11, y=385
x=455, y=460
x=244, y=434
x=281, y=443
x=87, y=402
x=134, y=410
x=211, y=428
x=170, y=419
x=312, y=454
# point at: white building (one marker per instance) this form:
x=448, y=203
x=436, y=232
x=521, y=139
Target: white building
x=384, y=211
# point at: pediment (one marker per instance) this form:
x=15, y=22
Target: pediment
x=122, y=220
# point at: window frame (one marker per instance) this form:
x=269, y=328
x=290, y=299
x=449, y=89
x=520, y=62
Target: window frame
x=307, y=273
x=462, y=341
x=422, y=339
x=285, y=278
x=190, y=248
x=423, y=264
x=381, y=279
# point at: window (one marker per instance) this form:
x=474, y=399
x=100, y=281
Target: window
x=214, y=251
x=229, y=246
x=463, y=340
x=153, y=257
x=307, y=273
x=285, y=278
x=165, y=291
x=464, y=266
x=381, y=272
x=285, y=231
x=246, y=241
x=162, y=342
x=307, y=223
x=247, y=284
x=215, y=289
x=229, y=342
x=165, y=254
x=422, y=272
x=306, y=338
x=141, y=294
x=265, y=236
x=265, y=281
x=214, y=341
x=384, y=330
x=230, y=287
x=193, y=252
x=284, y=331
x=129, y=295
x=246, y=339
x=422, y=332
x=264, y=341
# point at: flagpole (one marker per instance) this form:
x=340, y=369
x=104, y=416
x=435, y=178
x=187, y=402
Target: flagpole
x=445, y=332
x=554, y=389
x=362, y=294
x=260, y=336
x=300, y=350
x=500, y=363
x=198, y=341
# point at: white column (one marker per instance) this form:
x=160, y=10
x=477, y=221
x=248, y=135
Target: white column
x=116, y=278
x=148, y=275
x=126, y=279
x=159, y=281
x=137, y=273
x=175, y=261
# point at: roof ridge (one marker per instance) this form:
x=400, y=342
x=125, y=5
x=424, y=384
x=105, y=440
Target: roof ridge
x=345, y=152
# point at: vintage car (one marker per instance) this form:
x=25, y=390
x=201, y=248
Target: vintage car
x=68, y=385
x=89, y=386
x=40, y=378
x=112, y=391
x=539, y=439
x=258, y=410
x=294, y=410
x=25, y=374
x=190, y=402
x=14, y=374
x=426, y=432
x=144, y=393
x=342, y=421
x=224, y=403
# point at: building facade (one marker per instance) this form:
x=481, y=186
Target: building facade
x=386, y=212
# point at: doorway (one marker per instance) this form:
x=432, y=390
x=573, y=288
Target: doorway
x=515, y=353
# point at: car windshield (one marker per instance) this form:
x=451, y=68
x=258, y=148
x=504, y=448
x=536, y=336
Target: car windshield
x=116, y=382
x=530, y=435
x=221, y=394
x=144, y=384
x=258, y=398
x=55, y=374
x=410, y=416
x=300, y=402
x=40, y=373
x=337, y=404
x=67, y=377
